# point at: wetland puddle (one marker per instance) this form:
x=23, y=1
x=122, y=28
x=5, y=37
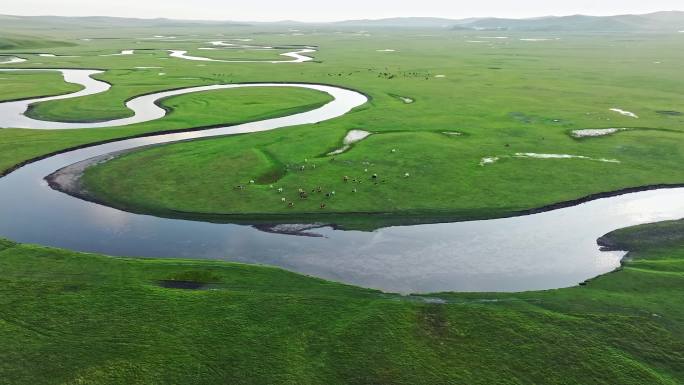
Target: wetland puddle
x=625, y=113
x=588, y=133
x=182, y=285
x=352, y=137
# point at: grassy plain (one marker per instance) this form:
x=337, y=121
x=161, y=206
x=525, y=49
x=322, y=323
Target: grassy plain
x=505, y=95
x=67, y=317
x=73, y=318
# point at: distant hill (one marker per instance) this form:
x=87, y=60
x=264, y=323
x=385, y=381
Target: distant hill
x=100, y=22
x=654, y=22
x=407, y=22
x=8, y=42
x=660, y=21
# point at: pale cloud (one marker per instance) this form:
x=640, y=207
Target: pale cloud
x=316, y=10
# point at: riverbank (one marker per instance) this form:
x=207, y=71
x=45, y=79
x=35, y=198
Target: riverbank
x=70, y=317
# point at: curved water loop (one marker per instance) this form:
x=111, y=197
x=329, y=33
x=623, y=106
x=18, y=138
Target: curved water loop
x=296, y=57
x=145, y=109
x=11, y=59
x=541, y=251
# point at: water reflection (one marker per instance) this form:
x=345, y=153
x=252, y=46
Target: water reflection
x=542, y=251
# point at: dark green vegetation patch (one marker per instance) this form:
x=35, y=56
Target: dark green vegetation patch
x=81, y=318
x=29, y=42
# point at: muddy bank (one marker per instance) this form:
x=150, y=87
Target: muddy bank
x=301, y=230
x=69, y=179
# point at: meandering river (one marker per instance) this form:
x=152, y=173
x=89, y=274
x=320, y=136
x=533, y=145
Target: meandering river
x=542, y=251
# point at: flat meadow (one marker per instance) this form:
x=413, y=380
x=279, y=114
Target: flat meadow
x=463, y=125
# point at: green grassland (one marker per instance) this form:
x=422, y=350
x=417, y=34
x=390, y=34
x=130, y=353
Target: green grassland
x=74, y=318
x=506, y=96
x=445, y=180
x=78, y=318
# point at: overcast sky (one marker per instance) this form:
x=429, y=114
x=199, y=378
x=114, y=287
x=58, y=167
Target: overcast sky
x=319, y=10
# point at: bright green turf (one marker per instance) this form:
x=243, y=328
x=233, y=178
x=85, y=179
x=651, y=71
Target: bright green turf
x=506, y=96
x=445, y=179
x=80, y=318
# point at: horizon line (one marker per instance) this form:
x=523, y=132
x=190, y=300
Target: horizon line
x=342, y=20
